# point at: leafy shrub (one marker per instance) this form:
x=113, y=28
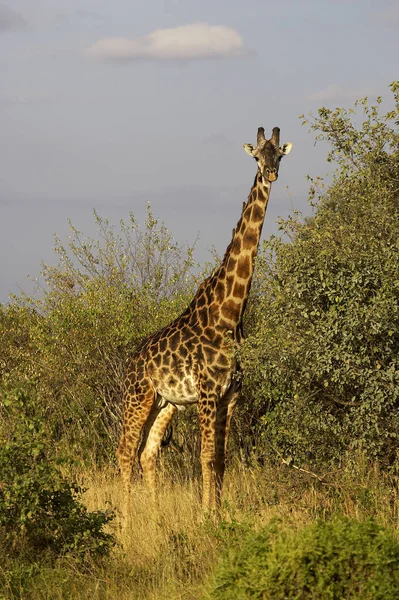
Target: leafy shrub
x=325, y=560
x=40, y=509
x=94, y=306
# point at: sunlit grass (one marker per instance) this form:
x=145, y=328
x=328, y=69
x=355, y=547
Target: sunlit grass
x=166, y=550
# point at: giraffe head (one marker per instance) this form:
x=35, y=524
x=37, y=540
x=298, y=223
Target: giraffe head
x=268, y=153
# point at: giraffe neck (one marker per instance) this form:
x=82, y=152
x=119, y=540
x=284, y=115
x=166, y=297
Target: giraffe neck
x=232, y=281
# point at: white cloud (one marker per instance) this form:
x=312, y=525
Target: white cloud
x=187, y=42
x=10, y=20
x=336, y=92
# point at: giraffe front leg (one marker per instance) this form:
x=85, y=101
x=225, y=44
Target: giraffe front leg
x=223, y=420
x=207, y=415
x=154, y=430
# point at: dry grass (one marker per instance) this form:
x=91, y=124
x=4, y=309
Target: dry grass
x=167, y=550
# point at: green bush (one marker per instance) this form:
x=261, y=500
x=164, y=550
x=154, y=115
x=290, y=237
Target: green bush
x=40, y=509
x=93, y=308
x=325, y=560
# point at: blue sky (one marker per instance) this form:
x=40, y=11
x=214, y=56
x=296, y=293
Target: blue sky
x=109, y=105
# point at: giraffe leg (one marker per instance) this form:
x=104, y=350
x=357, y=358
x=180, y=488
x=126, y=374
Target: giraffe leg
x=207, y=415
x=136, y=412
x=223, y=420
x=154, y=430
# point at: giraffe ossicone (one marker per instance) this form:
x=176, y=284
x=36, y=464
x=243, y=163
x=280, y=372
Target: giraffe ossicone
x=192, y=360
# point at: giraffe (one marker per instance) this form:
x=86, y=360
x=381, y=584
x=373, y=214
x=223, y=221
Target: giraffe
x=192, y=360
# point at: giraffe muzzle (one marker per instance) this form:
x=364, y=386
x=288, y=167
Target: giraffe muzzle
x=271, y=176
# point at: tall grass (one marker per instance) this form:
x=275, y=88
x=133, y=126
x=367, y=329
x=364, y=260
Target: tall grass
x=166, y=550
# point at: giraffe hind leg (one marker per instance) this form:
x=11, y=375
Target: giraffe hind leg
x=136, y=411
x=154, y=430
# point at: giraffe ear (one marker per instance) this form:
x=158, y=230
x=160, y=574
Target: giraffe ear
x=286, y=148
x=249, y=149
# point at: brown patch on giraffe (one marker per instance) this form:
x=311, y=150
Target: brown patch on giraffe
x=196, y=327
x=239, y=290
x=163, y=344
x=250, y=238
x=209, y=294
x=231, y=310
x=261, y=194
x=201, y=301
x=210, y=354
x=174, y=341
x=218, y=340
x=231, y=265
x=214, y=310
x=244, y=267
x=230, y=283
x=257, y=213
x=150, y=367
x=157, y=359
x=203, y=317
x=220, y=291
x=183, y=351
x=209, y=333
x=236, y=246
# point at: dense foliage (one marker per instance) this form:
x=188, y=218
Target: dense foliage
x=40, y=509
x=331, y=560
x=322, y=357
x=72, y=341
